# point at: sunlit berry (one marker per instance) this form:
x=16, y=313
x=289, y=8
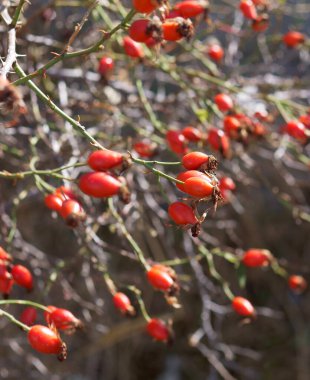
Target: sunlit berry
x=256, y=258
x=158, y=330
x=181, y=213
x=243, y=307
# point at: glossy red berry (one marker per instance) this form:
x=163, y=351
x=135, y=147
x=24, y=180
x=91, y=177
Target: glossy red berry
x=256, y=258
x=176, y=141
x=199, y=187
x=297, y=283
x=44, y=340
x=190, y=8
x=158, y=330
x=159, y=278
x=216, y=52
x=175, y=29
x=147, y=6
x=194, y=160
x=296, y=129
x=248, y=9
x=192, y=134
x=293, y=39
x=22, y=276
x=4, y=256
x=63, y=319
x=143, y=29
x=6, y=284
x=224, y=102
x=219, y=141
x=243, y=307
x=181, y=213
x=53, y=202
x=72, y=212
x=99, y=184
x=28, y=316
x=102, y=160
x=232, y=126
x=106, y=65
x=122, y=303
x=132, y=48
x=185, y=175
x=145, y=149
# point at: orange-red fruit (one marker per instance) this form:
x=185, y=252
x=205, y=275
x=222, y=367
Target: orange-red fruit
x=219, y=141
x=232, y=126
x=194, y=160
x=53, y=202
x=192, y=134
x=44, y=340
x=22, y=276
x=175, y=29
x=4, y=255
x=141, y=30
x=198, y=187
x=296, y=129
x=190, y=8
x=224, y=102
x=63, y=319
x=28, y=316
x=70, y=207
x=144, y=148
x=147, y=6
x=181, y=213
x=243, y=307
x=121, y=302
x=256, y=258
x=297, y=283
x=293, y=39
x=260, y=24
x=226, y=183
x=176, y=141
x=102, y=160
x=248, y=9
x=216, y=52
x=132, y=48
x=158, y=330
x=185, y=175
x=99, y=184
x=106, y=65
x=159, y=278
x=6, y=284
x=305, y=119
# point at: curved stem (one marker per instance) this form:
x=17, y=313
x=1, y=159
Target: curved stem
x=14, y=320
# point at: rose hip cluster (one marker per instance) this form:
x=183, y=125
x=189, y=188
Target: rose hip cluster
x=46, y=339
x=66, y=203
x=13, y=274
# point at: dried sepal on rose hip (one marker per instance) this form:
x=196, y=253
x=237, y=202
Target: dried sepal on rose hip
x=122, y=303
x=62, y=319
x=164, y=278
x=174, y=29
x=298, y=284
x=199, y=161
x=143, y=29
x=47, y=341
x=159, y=330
